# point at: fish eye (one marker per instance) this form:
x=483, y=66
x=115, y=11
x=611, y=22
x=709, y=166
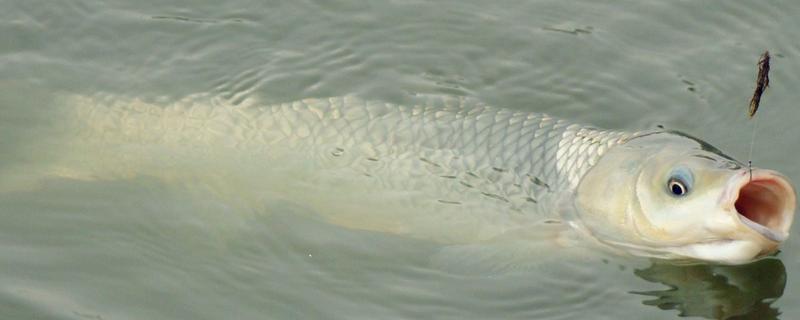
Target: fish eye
x=679, y=182
x=677, y=187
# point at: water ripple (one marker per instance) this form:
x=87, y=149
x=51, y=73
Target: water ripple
x=143, y=248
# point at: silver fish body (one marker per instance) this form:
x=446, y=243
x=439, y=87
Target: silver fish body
x=443, y=158
x=510, y=156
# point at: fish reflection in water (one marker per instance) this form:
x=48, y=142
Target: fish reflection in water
x=716, y=291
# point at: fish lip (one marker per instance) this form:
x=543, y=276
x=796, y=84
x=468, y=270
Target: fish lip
x=764, y=203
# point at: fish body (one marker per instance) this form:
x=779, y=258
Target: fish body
x=444, y=166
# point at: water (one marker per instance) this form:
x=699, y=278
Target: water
x=146, y=248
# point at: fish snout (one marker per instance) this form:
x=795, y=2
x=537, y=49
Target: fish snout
x=764, y=202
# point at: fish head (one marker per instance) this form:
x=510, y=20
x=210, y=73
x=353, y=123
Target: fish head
x=668, y=195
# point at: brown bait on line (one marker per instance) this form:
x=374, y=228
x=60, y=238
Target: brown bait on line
x=762, y=82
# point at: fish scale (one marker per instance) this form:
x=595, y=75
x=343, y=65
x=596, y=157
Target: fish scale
x=513, y=157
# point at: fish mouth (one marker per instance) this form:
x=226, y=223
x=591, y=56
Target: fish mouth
x=765, y=203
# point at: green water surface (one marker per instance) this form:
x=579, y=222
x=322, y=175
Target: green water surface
x=143, y=248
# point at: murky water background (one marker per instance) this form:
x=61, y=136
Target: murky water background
x=143, y=248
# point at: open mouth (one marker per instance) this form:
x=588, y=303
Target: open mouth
x=766, y=204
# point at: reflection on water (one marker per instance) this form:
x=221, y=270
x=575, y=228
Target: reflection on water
x=717, y=292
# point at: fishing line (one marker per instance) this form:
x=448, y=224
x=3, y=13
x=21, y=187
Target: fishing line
x=762, y=82
x=752, y=143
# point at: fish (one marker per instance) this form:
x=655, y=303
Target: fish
x=446, y=168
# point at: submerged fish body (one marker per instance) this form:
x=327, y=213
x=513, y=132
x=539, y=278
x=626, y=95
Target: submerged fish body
x=446, y=168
